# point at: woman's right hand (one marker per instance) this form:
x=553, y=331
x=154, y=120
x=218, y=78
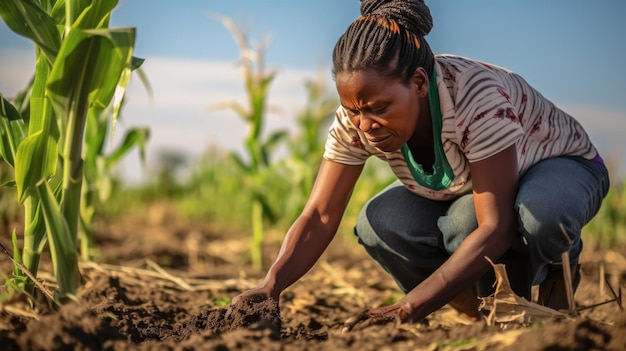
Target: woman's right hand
x=252, y=306
x=256, y=295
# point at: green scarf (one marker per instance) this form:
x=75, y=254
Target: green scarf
x=442, y=174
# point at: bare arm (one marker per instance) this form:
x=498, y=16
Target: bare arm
x=495, y=187
x=314, y=229
x=495, y=182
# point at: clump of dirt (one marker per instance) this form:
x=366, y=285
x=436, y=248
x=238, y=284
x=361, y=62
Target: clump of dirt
x=74, y=324
x=581, y=334
x=244, y=313
x=241, y=314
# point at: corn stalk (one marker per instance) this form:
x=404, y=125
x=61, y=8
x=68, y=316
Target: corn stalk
x=257, y=81
x=81, y=65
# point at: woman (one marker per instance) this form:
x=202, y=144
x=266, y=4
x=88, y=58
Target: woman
x=486, y=167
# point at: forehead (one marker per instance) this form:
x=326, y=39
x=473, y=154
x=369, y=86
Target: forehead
x=364, y=83
x=362, y=77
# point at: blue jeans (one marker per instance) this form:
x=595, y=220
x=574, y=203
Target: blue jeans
x=411, y=236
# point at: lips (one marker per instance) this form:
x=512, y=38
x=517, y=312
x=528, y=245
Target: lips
x=378, y=141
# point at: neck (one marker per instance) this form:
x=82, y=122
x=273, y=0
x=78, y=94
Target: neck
x=424, y=125
x=421, y=143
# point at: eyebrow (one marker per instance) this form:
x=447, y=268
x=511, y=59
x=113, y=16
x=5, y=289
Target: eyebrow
x=348, y=108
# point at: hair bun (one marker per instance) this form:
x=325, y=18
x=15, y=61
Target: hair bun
x=413, y=15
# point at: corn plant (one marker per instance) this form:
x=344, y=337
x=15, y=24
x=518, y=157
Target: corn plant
x=306, y=148
x=99, y=162
x=608, y=227
x=257, y=81
x=81, y=67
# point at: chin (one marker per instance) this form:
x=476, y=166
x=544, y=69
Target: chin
x=390, y=148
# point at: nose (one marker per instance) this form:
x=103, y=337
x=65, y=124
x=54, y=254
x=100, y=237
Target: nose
x=366, y=123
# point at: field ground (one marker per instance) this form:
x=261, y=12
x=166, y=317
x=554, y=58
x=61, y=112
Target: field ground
x=163, y=285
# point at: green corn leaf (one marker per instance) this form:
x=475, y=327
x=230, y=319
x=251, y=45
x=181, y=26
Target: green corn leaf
x=120, y=91
x=57, y=12
x=40, y=112
x=27, y=18
x=239, y=109
x=17, y=255
x=37, y=227
x=252, y=145
x=135, y=137
x=259, y=195
x=95, y=135
x=103, y=184
x=9, y=184
x=136, y=64
x=92, y=60
x=136, y=67
x=89, y=14
x=21, y=101
x=12, y=130
x=62, y=246
x=236, y=159
x=41, y=117
x=270, y=144
x=36, y=159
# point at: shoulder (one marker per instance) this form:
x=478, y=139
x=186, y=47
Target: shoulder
x=345, y=143
x=465, y=63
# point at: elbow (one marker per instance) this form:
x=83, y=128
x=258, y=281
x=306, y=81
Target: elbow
x=503, y=234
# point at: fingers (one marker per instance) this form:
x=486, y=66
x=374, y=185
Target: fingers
x=256, y=298
x=243, y=302
x=351, y=322
x=365, y=319
x=250, y=297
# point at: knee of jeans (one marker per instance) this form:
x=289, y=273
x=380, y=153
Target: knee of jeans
x=364, y=231
x=457, y=223
x=549, y=235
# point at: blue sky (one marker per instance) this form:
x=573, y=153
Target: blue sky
x=570, y=50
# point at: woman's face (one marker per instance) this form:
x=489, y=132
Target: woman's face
x=385, y=109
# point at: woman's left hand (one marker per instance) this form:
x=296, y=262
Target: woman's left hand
x=400, y=311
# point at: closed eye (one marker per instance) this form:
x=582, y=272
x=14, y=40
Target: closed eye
x=353, y=112
x=379, y=111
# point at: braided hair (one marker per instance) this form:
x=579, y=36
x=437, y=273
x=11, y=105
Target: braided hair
x=388, y=37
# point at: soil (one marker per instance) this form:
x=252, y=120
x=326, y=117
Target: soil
x=162, y=284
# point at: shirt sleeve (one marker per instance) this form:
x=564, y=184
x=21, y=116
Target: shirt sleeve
x=344, y=143
x=486, y=120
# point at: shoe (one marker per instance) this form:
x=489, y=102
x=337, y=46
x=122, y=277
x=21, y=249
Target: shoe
x=552, y=291
x=467, y=303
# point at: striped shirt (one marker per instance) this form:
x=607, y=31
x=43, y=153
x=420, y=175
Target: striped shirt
x=484, y=110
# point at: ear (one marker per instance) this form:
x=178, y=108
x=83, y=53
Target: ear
x=420, y=80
